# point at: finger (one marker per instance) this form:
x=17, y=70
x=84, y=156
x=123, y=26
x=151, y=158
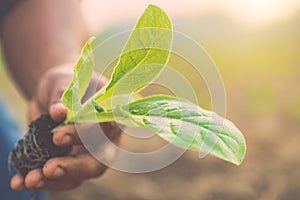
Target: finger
x=69, y=134
x=17, y=182
x=66, y=135
x=36, y=180
x=84, y=166
x=33, y=110
x=58, y=112
x=112, y=130
x=53, y=84
x=97, y=82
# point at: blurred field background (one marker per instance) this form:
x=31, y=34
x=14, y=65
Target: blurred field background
x=259, y=61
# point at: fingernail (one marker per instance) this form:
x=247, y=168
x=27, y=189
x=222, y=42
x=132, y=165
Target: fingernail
x=67, y=139
x=57, y=105
x=39, y=184
x=59, y=172
x=58, y=112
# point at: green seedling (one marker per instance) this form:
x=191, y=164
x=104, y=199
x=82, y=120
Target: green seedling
x=176, y=120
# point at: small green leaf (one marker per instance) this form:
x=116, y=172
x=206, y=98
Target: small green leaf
x=82, y=75
x=144, y=56
x=177, y=121
x=188, y=126
x=98, y=108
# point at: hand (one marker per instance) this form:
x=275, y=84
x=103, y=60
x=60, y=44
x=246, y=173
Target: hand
x=64, y=172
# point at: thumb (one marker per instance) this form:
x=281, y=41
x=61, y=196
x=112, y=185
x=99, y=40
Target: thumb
x=58, y=112
x=56, y=109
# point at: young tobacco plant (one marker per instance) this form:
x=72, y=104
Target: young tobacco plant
x=176, y=120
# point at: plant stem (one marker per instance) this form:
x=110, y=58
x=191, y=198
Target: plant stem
x=58, y=126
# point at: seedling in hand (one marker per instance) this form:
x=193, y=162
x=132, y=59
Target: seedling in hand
x=176, y=120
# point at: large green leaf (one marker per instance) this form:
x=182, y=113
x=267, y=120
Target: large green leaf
x=188, y=126
x=144, y=56
x=82, y=75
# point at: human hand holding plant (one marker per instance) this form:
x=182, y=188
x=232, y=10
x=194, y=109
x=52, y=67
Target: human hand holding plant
x=69, y=171
x=176, y=120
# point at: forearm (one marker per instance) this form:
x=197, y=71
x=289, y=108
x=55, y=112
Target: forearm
x=38, y=35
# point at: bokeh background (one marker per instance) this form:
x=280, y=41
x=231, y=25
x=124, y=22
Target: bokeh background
x=256, y=46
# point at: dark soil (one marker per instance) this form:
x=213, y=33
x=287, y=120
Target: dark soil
x=36, y=147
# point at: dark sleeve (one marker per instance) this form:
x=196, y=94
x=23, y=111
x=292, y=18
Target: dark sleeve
x=4, y=7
